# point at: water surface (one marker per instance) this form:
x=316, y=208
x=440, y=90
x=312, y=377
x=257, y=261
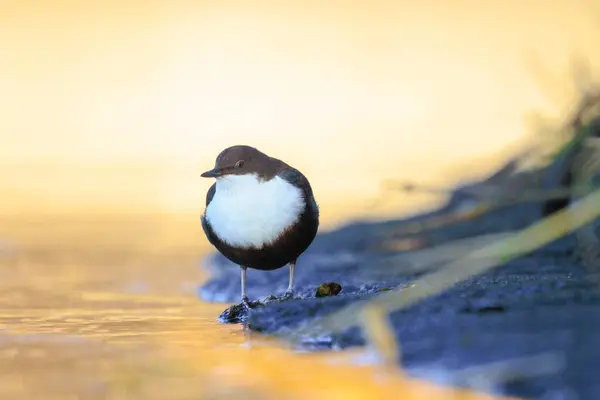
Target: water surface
x=105, y=307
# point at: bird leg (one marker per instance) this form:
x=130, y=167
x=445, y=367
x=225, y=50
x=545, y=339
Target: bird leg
x=245, y=300
x=290, y=290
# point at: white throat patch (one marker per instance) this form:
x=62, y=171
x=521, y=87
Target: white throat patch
x=247, y=212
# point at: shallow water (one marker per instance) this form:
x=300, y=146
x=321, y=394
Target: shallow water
x=105, y=307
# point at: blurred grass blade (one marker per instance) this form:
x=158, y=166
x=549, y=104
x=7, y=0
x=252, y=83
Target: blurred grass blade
x=380, y=334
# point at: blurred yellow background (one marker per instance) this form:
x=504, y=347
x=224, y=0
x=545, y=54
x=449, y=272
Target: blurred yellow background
x=118, y=106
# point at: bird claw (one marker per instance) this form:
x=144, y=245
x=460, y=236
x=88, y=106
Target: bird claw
x=246, y=303
x=287, y=295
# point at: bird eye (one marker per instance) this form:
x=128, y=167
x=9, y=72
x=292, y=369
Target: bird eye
x=239, y=164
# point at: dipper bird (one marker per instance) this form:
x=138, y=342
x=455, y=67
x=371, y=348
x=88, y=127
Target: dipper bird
x=260, y=213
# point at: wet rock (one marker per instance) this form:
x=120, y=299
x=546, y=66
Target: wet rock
x=328, y=289
x=238, y=313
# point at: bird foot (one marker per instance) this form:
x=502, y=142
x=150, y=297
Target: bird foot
x=246, y=303
x=288, y=295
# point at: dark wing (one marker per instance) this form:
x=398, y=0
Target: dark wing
x=211, y=193
x=210, y=235
x=205, y=226
x=296, y=178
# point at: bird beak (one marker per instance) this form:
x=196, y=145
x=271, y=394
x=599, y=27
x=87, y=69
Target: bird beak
x=213, y=173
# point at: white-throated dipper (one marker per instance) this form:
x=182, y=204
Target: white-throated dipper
x=260, y=213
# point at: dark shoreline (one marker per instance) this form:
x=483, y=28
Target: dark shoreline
x=540, y=304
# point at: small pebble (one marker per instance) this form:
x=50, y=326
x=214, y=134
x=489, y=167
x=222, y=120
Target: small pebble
x=328, y=289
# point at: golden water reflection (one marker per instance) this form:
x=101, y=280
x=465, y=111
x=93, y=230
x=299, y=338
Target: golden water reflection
x=91, y=311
